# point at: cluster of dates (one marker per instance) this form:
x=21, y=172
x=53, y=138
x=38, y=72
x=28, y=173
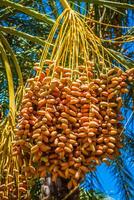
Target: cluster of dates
x=69, y=122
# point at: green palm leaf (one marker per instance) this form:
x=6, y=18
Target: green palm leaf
x=27, y=11
x=110, y=3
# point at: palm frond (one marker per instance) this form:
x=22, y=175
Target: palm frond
x=27, y=11
x=124, y=179
x=127, y=62
x=93, y=195
x=131, y=31
x=111, y=3
x=15, y=61
x=12, y=31
x=10, y=81
x=129, y=145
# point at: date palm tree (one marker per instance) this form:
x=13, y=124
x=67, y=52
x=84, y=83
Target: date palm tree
x=24, y=28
